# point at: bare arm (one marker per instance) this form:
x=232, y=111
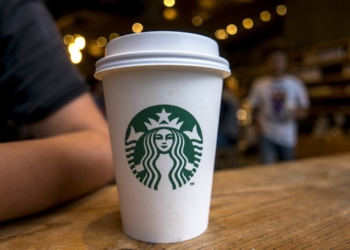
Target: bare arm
x=303, y=102
x=301, y=113
x=71, y=156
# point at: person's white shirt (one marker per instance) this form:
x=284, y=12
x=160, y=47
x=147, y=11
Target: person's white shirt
x=275, y=100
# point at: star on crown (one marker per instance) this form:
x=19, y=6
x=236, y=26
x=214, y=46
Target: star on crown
x=163, y=122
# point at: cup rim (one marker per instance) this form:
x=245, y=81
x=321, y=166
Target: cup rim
x=160, y=58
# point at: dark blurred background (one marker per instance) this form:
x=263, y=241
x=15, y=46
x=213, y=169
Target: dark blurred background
x=316, y=34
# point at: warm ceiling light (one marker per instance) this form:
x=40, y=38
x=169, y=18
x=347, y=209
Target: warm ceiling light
x=76, y=57
x=231, y=29
x=241, y=114
x=94, y=50
x=80, y=42
x=67, y=39
x=197, y=21
x=265, y=16
x=207, y=4
x=170, y=14
x=113, y=36
x=72, y=48
x=101, y=42
x=169, y=3
x=248, y=23
x=137, y=27
x=221, y=34
x=281, y=10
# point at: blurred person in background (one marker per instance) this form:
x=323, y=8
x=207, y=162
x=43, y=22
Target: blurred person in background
x=228, y=126
x=278, y=100
x=54, y=143
x=228, y=129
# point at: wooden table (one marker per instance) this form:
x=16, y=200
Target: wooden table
x=299, y=205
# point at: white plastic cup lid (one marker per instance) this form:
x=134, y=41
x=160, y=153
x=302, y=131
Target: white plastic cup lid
x=161, y=48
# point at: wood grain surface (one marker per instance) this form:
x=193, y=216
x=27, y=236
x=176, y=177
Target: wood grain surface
x=298, y=205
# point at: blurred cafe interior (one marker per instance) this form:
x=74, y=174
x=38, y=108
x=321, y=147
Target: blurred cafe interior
x=314, y=33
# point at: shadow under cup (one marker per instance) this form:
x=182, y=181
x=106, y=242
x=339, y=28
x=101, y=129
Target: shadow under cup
x=163, y=92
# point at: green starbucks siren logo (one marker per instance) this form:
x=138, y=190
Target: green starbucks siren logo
x=163, y=146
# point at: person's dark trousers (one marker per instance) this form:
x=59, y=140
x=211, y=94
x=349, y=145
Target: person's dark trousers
x=270, y=152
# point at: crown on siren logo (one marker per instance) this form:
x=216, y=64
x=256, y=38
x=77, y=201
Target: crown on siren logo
x=163, y=122
x=161, y=135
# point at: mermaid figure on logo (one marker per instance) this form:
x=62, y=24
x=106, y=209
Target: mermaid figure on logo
x=164, y=153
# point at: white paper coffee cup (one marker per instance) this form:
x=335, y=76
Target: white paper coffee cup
x=162, y=92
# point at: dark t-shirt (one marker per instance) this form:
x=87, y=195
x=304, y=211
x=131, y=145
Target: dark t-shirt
x=36, y=76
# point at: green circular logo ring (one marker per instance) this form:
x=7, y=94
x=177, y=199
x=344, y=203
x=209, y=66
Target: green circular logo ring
x=163, y=143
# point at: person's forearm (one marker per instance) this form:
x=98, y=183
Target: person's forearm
x=38, y=174
x=301, y=113
x=296, y=113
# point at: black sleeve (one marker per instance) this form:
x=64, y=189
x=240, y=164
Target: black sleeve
x=36, y=76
